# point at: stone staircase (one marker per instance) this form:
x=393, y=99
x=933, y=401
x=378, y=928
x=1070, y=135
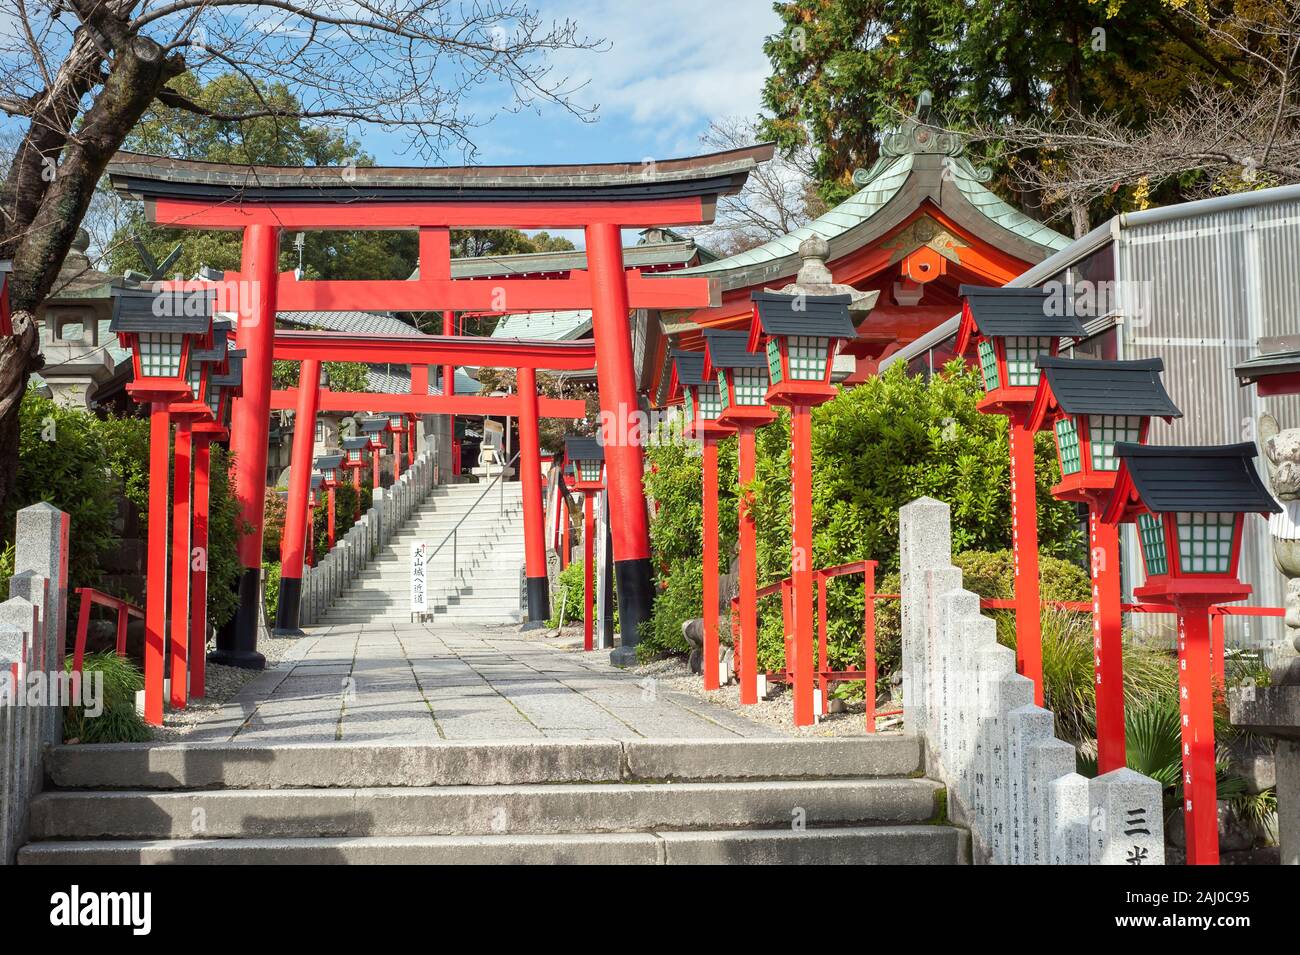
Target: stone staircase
x=489, y=554
x=816, y=801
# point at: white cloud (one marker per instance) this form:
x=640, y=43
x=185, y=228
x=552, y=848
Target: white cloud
x=675, y=64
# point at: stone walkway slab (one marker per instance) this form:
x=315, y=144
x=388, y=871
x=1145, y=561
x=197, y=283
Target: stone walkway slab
x=422, y=682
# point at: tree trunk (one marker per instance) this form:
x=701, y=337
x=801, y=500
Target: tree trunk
x=47, y=211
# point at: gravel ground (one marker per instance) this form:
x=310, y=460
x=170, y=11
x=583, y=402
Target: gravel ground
x=222, y=683
x=673, y=676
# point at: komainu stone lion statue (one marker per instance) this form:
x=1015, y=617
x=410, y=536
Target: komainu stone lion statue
x=1281, y=451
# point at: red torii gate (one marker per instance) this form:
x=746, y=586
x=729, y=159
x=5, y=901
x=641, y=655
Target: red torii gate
x=599, y=199
x=312, y=348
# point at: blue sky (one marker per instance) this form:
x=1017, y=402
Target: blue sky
x=673, y=66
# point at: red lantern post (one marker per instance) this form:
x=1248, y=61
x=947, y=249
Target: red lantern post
x=1190, y=505
x=222, y=390
x=742, y=387
x=397, y=427
x=356, y=449
x=702, y=405
x=328, y=465
x=160, y=328
x=587, y=458
x=1010, y=328
x=373, y=429
x=1090, y=406
x=800, y=335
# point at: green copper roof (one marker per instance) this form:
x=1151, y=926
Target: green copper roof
x=853, y=211
x=561, y=326
x=921, y=160
x=963, y=176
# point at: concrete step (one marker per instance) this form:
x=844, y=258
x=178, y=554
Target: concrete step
x=438, y=616
x=476, y=763
x=479, y=810
x=475, y=516
x=482, y=582
x=883, y=845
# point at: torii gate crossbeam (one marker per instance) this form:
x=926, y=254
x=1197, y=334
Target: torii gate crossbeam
x=600, y=199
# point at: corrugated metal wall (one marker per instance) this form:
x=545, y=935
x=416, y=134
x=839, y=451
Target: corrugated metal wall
x=1199, y=292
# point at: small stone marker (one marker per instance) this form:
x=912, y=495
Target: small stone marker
x=1125, y=820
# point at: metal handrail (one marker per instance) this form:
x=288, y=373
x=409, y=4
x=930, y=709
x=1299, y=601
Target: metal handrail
x=451, y=534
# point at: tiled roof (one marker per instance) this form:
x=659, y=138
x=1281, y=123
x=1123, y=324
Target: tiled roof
x=820, y=315
x=853, y=211
x=1090, y=386
x=561, y=326
x=731, y=350
x=690, y=366
x=885, y=180
x=1221, y=478
x=642, y=255
x=370, y=323
x=396, y=380
x=962, y=175
x=583, y=449
x=1017, y=311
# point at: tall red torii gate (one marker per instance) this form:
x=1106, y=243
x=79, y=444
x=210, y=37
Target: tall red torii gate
x=599, y=199
x=313, y=348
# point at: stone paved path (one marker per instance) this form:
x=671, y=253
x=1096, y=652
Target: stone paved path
x=418, y=682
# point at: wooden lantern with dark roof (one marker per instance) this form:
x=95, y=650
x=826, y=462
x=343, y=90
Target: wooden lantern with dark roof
x=800, y=335
x=587, y=458
x=161, y=328
x=1091, y=406
x=701, y=402
x=742, y=378
x=1009, y=328
x=1190, y=505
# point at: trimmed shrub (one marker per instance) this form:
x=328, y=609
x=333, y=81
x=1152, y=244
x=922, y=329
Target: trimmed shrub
x=568, y=595
x=119, y=722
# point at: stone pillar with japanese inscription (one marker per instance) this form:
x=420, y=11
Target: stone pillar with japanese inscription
x=1125, y=820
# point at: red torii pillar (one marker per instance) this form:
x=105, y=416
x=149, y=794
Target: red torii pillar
x=295, y=518
x=180, y=574
x=199, y=566
x=530, y=477
x=588, y=570
x=259, y=269
x=621, y=435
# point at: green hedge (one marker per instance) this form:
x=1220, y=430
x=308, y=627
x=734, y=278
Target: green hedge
x=876, y=447
x=81, y=463
x=569, y=588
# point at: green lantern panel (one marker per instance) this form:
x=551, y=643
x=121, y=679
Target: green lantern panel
x=989, y=364
x=710, y=401
x=1067, y=441
x=774, y=361
x=1104, y=431
x=808, y=357
x=1022, y=354
x=1151, y=531
x=160, y=354
x=751, y=385
x=1205, y=541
